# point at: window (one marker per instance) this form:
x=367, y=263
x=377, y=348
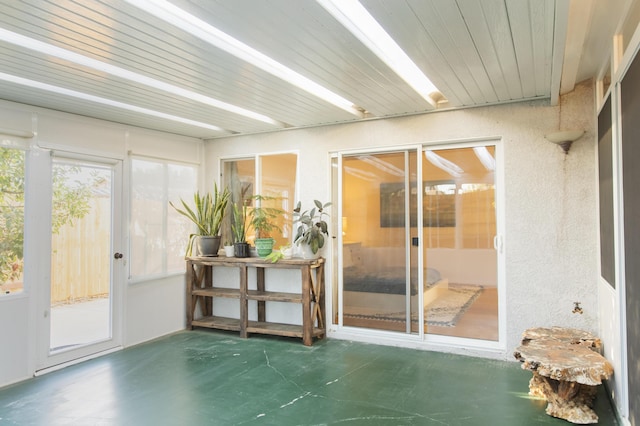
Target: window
x=12, y=172
x=266, y=175
x=158, y=234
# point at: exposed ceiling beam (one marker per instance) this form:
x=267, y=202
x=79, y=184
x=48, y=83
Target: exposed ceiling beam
x=580, y=13
x=560, y=36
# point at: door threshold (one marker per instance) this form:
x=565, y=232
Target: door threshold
x=75, y=361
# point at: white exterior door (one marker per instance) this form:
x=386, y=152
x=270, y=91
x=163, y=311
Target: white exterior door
x=81, y=311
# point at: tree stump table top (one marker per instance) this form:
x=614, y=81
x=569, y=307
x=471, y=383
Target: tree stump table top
x=564, y=354
x=567, y=366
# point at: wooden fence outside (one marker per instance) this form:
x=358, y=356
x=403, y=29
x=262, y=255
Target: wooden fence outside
x=81, y=256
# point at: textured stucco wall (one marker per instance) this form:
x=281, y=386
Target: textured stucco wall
x=550, y=207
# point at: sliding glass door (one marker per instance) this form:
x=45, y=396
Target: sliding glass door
x=459, y=230
x=379, y=264
x=416, y=270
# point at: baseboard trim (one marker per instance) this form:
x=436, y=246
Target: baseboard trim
x=75, y=361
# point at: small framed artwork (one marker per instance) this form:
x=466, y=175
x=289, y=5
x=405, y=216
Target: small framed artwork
x=438, y=210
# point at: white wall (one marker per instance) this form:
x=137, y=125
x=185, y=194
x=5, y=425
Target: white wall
x=550, y=208
x=150, y=309
x=550, y=253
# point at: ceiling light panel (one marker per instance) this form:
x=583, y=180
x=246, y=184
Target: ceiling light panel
x=206, y=32
x=105, y=67
x=74, y=77
x=309, y=40
x=132, y=39
x=355, y=17
x=467, y=46
x=54, y=101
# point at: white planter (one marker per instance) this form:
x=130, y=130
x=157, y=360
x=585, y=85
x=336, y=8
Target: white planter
x=228, y=251
x=307, y=253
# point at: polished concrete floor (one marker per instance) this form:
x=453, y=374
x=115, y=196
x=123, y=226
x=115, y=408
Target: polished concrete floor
x=216, y=378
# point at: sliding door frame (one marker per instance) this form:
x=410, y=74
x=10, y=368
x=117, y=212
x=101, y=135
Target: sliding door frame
x=337, y=329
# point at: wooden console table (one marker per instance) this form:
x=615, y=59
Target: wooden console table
x=201, y=290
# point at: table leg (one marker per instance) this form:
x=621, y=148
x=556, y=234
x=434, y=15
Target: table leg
x=307, y=321
x=244, y=307
x=571, y=401
x=260, y=285
x=207, y=302
x=321, y=297
x=190, y=299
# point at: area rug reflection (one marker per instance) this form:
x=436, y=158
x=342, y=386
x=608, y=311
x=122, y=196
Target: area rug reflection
x=445, y=311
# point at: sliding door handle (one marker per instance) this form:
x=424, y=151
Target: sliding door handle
x=497, y=243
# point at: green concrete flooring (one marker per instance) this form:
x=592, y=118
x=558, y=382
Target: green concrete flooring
x=217, y=378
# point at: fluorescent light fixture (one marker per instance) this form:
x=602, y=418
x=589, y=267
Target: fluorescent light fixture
x=104, y=101
x=385, y=166
x=360, y=174
x=442, y=163
x=357, y=19
x=196, y=27
x=485, y=157
x=67, y=55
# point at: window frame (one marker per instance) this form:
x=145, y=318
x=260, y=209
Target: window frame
x=258, y=177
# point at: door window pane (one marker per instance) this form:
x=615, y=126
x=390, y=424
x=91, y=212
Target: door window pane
x=12, y=170
x=81, y=255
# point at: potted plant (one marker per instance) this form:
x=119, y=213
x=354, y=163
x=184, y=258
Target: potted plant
x=228, y=249
x=312, y=230
x=263, y=221
x=239, y=230
x=207, y=215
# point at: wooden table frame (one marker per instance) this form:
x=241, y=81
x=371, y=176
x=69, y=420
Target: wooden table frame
x=201, y=291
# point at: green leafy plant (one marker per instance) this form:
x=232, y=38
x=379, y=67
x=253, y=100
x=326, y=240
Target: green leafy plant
x=277, y=255
x=312, y=227
x=207, y=214
x=263, y=218
x=239, y=225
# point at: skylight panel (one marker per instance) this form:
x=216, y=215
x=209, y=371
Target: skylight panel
x=197, y=27
x=76, y=58
x=104, y=101
x=357, y=19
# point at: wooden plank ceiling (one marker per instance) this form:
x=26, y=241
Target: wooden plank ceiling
x=475, y=52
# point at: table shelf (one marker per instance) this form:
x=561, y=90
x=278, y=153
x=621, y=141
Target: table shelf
x=280, y=329
x=273, y=296
x=201, y=291
x=232, y=293
x=221, y=323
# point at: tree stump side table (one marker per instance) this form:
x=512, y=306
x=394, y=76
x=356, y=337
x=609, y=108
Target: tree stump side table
x=567, y=367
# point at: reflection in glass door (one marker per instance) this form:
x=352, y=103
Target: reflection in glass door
x=379, y=272
x=81, y=280
x=459, y=226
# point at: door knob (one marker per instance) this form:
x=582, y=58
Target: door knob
x=117, y=256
